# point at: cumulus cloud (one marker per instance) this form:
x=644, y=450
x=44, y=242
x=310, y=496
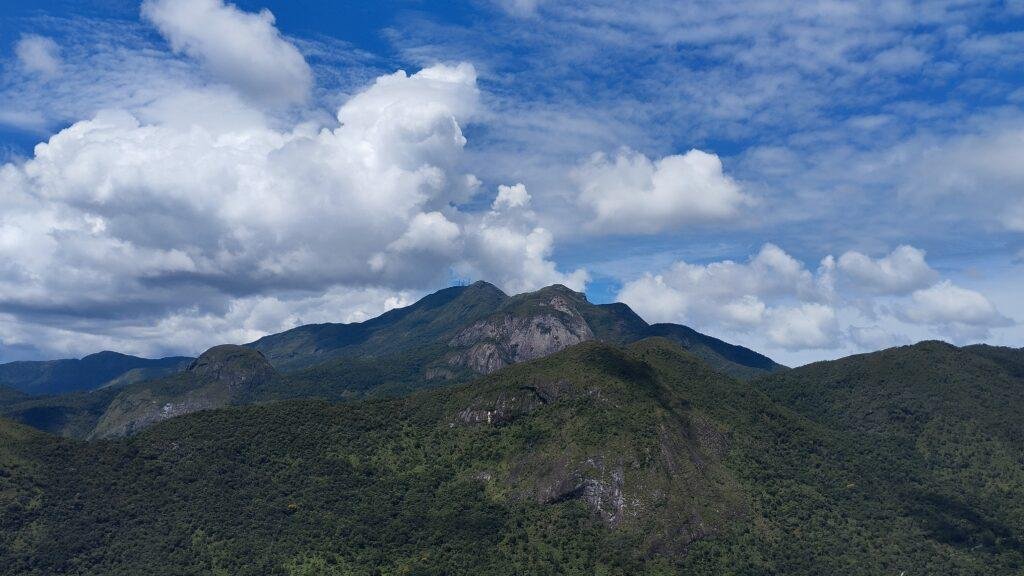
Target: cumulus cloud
x=38, y=54
x=901, y=272
x=189, y=206
x=807, y=326
x=508, y=246
x=855, y=301
x=945, y=304
x=511, y=197
x=240, y=48
x=731, y=294
x=630, y=193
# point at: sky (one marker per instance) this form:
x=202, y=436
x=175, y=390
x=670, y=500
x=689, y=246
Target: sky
x=809, y=179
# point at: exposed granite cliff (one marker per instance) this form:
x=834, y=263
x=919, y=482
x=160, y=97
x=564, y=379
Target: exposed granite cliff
x=549, y=324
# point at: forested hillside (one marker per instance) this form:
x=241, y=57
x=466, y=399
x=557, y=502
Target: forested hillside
x=595, y=460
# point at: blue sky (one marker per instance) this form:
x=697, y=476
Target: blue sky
x=810, y=179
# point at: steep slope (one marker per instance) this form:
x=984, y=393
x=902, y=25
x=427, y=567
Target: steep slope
x=949, y=416
x=594, y=460
x=63, y=376
x=221, y=376
x=736, y=361
x=536, y=324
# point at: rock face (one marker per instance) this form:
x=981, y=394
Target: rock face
x=232, y=366
x=508, y=338
x=221, y=376
x=606, y=430
x=509, y=406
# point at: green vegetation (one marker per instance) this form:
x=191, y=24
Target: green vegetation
x=942, y=427
x=596, y=460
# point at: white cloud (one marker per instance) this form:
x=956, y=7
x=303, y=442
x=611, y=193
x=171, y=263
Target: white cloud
x=901, y=272
x=242, y=49
x=192, y=330
x=632, y=194
x=874, y=337
x=520, y=8
x=807, y=326
x=726, y=293
x=775, y=303
x=190, y=207
x=511, y=197
x=1013, y=219
x=38, y=54
x=975, y=175
x=507, y=247
x=947, y=304
x=24, y=119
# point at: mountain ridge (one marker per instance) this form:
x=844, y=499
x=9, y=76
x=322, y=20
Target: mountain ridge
x=80, y=374
x=448, y=337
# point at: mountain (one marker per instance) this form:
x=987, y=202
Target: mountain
x=449, y=337
x=458, y=333
x=944, y=421
x=736, y=361
x=92, y=371
x=221, y=376
x=74, y=414
x=393, y=332
x=597, y=459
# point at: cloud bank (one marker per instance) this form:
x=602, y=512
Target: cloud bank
x=198, y=206
x=853, y=302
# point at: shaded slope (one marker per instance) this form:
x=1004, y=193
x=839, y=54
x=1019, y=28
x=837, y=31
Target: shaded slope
x=63, y=376
x=736, y=361
x=74, y=415
x=10, y=396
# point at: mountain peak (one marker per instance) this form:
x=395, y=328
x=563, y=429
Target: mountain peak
x=561, y=289
x=483, y=284
x=106, y=355
x=231, y=361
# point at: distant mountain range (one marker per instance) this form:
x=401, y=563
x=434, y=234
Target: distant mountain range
x=91, y=372
x=477, y=433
